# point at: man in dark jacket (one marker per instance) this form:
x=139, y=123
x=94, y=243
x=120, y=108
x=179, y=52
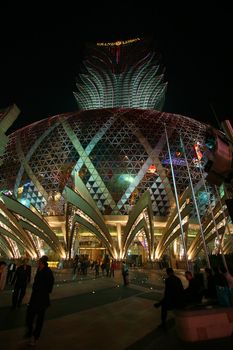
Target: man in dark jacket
x=173, y=295
x=20, y=281
x=194, y=292
x=210, y=291
x=39, y=301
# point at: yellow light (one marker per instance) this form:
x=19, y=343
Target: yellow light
x=119, y=42
x=20, y=190
x=53, y=263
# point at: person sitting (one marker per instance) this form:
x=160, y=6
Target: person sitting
x=222, y=287
x=173, y=296
x=194, y=292
x=210, y=290
x=228, y=275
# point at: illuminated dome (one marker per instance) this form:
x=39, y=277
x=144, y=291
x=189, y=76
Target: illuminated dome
x=117, y=153
x=109, y=177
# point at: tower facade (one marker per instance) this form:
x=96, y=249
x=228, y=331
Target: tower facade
x=121, y=74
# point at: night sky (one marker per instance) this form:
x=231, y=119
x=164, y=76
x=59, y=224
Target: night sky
x=41, y=51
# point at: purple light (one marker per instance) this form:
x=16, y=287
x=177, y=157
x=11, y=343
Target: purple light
x=175, y=161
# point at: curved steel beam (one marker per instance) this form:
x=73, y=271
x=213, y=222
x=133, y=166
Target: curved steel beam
x=144, y=203
x=11, y=221
x=141, y=225
x=96, y=232
x=77, y=201
x=208, y=240
x=6, y=247
x=175, y=235
x=31, y=216
x=29, y=227
x=208, y=226
x=20, y=243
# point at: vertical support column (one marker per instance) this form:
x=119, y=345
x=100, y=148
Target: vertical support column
x=75, y=245
x=195, y=203
x=118, y=226
x=177, y=200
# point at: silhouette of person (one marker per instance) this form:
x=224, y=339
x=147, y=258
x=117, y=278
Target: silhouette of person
x=20, y=281
x=112, y=268
x=173, y=295
x=210, y=290
x=194, y=292
x=125, y=273
x=39, y=301
x=10, y=272
x=222, y=287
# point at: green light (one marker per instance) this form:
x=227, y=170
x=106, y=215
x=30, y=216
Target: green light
x=129, y=178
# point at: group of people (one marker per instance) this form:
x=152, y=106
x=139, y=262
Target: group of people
x=175, y=295
x=218, y=289
x=219, y=285
x=19, y=277
x=81, y=265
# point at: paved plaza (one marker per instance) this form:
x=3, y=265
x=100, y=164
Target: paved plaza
x=99, y=313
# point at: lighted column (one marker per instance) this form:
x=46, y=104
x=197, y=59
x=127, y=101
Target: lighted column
x=118, y=226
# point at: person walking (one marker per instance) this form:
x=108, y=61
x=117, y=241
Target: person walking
x=112, y=268
x=40, y=300
x=107, y=267
x=21, y=279
x=11, y=271
x=96, y=266
x=173, y=296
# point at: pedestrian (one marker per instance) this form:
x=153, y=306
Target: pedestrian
x=107, y=265
x=102, y=267
x=21, y=279
x=112, y=268
x=173, y=296
x=125, y=273
x=39, y=301
x=97, y=266
x=10, y=273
